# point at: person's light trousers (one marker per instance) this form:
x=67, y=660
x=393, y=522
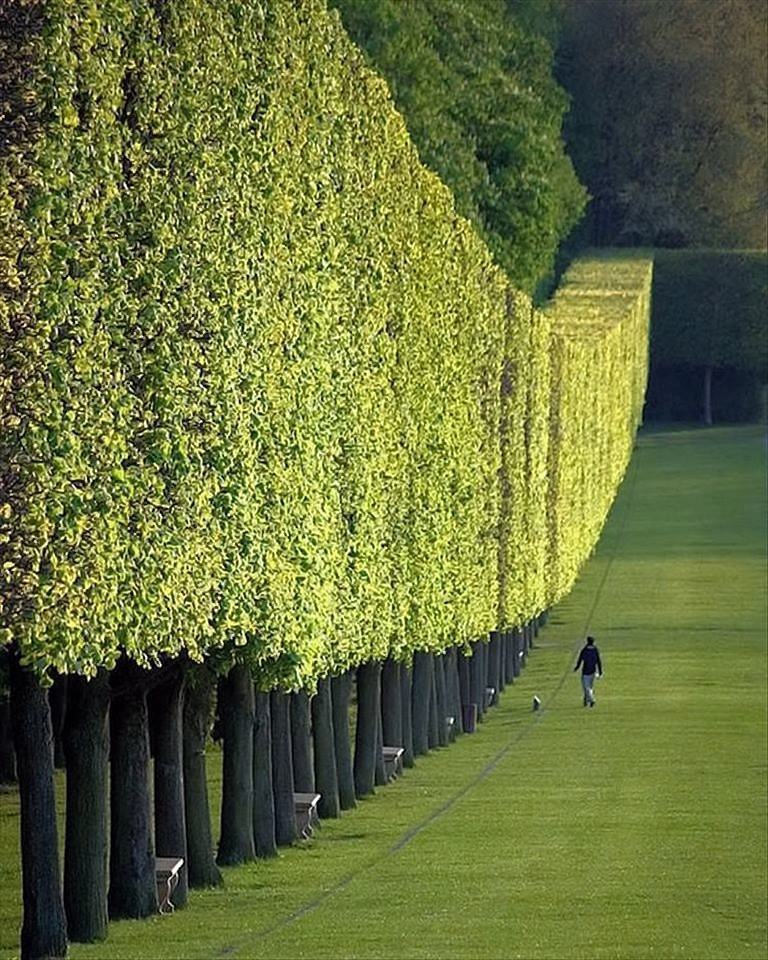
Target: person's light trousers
x=587, y=683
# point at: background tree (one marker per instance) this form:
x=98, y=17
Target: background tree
x=668, y=123
x=474, y=83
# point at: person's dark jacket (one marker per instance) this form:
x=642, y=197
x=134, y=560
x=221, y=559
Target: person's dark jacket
x=589, y=659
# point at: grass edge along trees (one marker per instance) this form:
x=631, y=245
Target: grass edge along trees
x=267, y=403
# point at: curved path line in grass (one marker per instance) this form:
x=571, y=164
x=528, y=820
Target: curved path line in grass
x=471, y=784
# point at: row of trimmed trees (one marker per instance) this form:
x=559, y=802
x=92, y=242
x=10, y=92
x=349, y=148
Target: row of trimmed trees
x=274, y=744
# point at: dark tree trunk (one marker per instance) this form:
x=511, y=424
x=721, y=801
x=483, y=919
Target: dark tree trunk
x=477, y=677
x=421, y=701
x=301, y=743
x=434, y=722
x=43, y=930
x=132, y=891
x=441, y=701
x=707, y=398
x=263, y=786
x=391, y=704
x=236, y=711
x=494, y=666
x=170, y=823
x=368, y=707
x=7, y=753
x=405, y=703
x=57, y=697
x=341, y=690
x=502, y=642
x=86, y=744
x=465, y=683
x=380, y=773
x=509, y=656
x=517, y=647
x=326, y=779
x=202, y=870
x=282, y=769
x=453, y=694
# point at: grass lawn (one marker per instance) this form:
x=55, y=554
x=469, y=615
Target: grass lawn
x=637, y=829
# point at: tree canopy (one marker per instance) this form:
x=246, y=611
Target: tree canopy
x=668, y=124
x=474, y=83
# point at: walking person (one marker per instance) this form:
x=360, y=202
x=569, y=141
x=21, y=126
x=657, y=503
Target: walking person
x=589, y=661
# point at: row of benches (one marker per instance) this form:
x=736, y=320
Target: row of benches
x=307, y=818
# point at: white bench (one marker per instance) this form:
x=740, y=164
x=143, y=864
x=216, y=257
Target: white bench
x=167, y=879
x=393, y=761
x=305, y=809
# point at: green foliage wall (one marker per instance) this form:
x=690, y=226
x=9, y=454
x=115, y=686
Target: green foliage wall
x=599, y=328
x=250, y=357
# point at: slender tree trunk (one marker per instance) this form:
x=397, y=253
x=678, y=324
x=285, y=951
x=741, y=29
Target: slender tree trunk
x=433, y=739
x=86, y=744
x=380, y=773
x=237, y=717
x=202, y=869
x=502, y=643
x=7, y=753
x=57, y=697
x=170, y=821
x=43, y=931
x=509, y=657
x=132, y=891
x=494, y=666
x=263, y=787
x=465, y=683
x=282, y=769
x=326, y=779
x=405, y=703
x=421, y=701
x=477, y=677
x=453, y=693
x=707, y=404
x=441, y=701
x=341, y=691
x=301, y=743
x=368, y=707
x=517, y=646
x=391, y=704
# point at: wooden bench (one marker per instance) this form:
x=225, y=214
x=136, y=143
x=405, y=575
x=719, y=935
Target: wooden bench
x=393, y=761
x=167, y=879
x=305, y=809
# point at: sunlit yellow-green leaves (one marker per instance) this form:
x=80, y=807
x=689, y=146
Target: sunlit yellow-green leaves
x=252, y=362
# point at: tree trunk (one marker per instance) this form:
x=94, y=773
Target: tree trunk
x=453, y=694
x=391, y=704
x=341, y=690
x=707, y=402
x=405, y=703
x=441, y=700
x=464, y=666
x=282, y=769
x=421, y=701
x=132, y=891
x=202, y=870
x=301, y=743
x=477, y=677
x=170, y=823
x=57, y=697
x=519, y=645
x=433, y=739
x=494, y=666
x=86, y=744
x=7, y=753
x=502, y=642
x=368, y=707
x=263, y=786
x=237, y=717
x=380, y=773
x=509, y=656
x=43, y=930
x=326, y=779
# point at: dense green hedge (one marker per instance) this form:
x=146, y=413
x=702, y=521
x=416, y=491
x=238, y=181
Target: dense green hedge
x=250, y=359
